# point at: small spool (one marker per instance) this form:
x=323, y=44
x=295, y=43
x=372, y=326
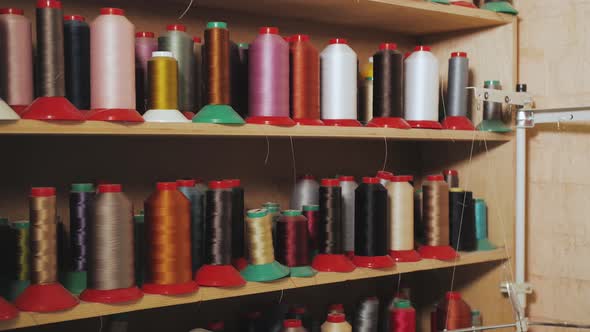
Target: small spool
x=481, y=226
x=476, y=320
x=492, y=112
x=312, y=214
x=401, y=219
x=292, y=243
x=20, y=279
x=339, y=84
x=145, y=45
x=457, y=101
x=196, y=195
x=305, y=81
x=451, y=177
x=111, y=268
x=403, y=317
x=462, y=220
x=453, y=313
x=435, y=207
x=348, y=185
x=305, y=192
x=330, y=257
x=367, y=315
x=301, y=313
x=421, y=89
x=77, y=61
x=268, y=85
x=336, y=322
x=293, y=325
x=263, y=266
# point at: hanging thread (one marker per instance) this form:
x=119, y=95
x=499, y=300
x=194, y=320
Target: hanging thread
x=43, y=236
x=82, y=196
x=367, y=316
x=180, y=44
x=436, y=211
x=348, y=186
x=163, y=81
x=305, y=192
x=401, y=214
x=216, y=66
x=462, y=220
x=218, y=224
x=292, y=239
x=312, y=214
x=145, y=45
x=370, y=222
x=330, y=217
x=196, y=196
x=336, y=322
x=16, y=57
x=198, y=78
x=77, y=60
x=403, y=317
x=451, y=178
x=421, y=89
x=293, y=325
x=112, y=61
x=453, y=313
x=49, y=65
x=305, y=79
x=388, y=82
x=237, y=219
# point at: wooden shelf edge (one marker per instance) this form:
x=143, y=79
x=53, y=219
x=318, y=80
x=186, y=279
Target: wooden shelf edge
x=92, y=128
x=89, y=310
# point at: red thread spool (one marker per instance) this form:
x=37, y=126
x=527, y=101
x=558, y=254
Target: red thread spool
x=453, y=313
x=305, y=81
x=312, y=213
x=292, y=239
x=403, y=317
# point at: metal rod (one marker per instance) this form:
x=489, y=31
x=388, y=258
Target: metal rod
x=520, y=211
x=561, y=324
x=481, y=328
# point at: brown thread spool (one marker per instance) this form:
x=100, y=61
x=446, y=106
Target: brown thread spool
x=216, y=66
x=305, y=80
x=43, y=236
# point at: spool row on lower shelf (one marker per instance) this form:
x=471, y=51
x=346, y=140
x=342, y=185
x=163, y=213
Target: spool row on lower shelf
x=88, y=310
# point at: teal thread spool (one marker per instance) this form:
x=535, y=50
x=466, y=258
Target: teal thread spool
x=481, y=226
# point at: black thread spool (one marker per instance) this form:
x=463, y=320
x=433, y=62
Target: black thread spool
x=49, y=65
x=7, y=255
x=77, y=60
x=330, y=235
x=238, y=247
x=140, y=249
x=218, y=223
x=462, y=220
x=196, y=195
x=240, y=77
x=418, y=227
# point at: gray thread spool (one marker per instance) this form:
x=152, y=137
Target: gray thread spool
x=50, y=68
x=457, y=84
x=492, y=110
x=367, y=317
x=305, y=192
x=367, y=100
x=348, y=186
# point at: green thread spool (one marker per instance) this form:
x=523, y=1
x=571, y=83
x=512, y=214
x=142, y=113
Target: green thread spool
x=481, y=226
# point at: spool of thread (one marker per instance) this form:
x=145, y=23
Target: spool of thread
x=388, y=73
x=435, y=208
x=305, y=81
x=421, y=89
x=367, y=315
x=348, y=185
x=198, y=78
x=82, y=196
x=293, y=325
x=301, y=313
x=312, y=214
x=16, y=57
x=366, y=97
x=8, y=245
x=492, y=112
x=384, y=177
x=305, y=192
x=269, y=79
x=238, y=245
x=451, y=178
x=291, y=247
x=111, y=266
x=336, y=323
x=418, y=223
x=462, y=220
x=330, y=257
x=145, y=45
x=196, y=196
x=476, y=318
x=274, y=210
x=367, y=68
x=339, y=84
x=370, y=223
x=180, y=44
x=139, y=239
x=77, y=60
x=458, y=80
x=168, y=225
x=481, y=226
x=336, y=308
x=112, y=67
x=401, y=219
x=21, y=256
x=217, y=270
x=403, y=317
x=44, y=294
x=240, y=79
x=50, y=70
x=453, y=313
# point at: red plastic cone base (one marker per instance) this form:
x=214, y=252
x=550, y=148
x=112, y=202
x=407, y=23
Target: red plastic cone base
x=443, y=253
x=332, y=263
x=283, y=121
x=240, y=263
x=114, y=114
x=403, y=256
x=45, y=298
x=112, y=296
x=188, y=115
x=373, y=262
x=7, y=311
x=425, y=124
x=219, y=276
x=398, y=123
x=309, y=122
x=52, y=108
x=457, y=123
x=349, y=254
x=19, y=109
x=342, y=123
x=464, y=4
x=172, y=289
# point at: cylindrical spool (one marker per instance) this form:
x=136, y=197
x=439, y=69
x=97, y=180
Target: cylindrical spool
x=238, y=245
x=457, y=105
x=388, y=87
x=453, y=313
x=77, y=60
x=139, y=239
x=269, y=79
x=421, y=89
x=216, y=67
x=16, y=58
x=401, y=219
x=336, y=322
x=240, y=78
x=435, y=210
x=145, y=45
x=305, y=192
x=163, y=81
x=20, y=257
x=292, y=245
x=366, y=104
x=198, y=75
x=481, y=225
x=403, y=317
x=462, y=220
x=177, y=41
x=451, y=178
x=49, y=65
x=112, y=62
x=304, y=315
x=293, y=325
x=305, y=81
x=370, y=225
x=492, y=110
x=418, y=220
x=111, y=265
x=348, y=185
x=196, y=196
x=339, y=84
x=312, y=214
x=274, y=210
x=367, y=315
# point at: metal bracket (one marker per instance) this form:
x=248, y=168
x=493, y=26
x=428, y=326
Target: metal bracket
x=502, y=96
x=525, y=119
x=514, y=288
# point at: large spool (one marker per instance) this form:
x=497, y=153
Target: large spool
x=462, y=220
x=77, y=61
x=401, y=219
x=305, y=81
x=292, y=244
x=481, y=226
x=336, y=322
x=457, y=102
x=348, y=185
x=238, y=224
x=403, y=317
x=421, y=89
x=305, y=192
x=196, y=196
x=452, y=313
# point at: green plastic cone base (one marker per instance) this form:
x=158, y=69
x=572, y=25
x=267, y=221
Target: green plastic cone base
x=496, y=126
x=500, y=7
x=444, y=2
x=75, y=282
x=485, y=245
x=222, y=114
x=302, y=271
x=16, y=287
x=265, y=272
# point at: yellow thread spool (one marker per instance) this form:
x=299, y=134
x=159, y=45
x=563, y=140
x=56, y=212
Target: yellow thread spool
x=163, y=81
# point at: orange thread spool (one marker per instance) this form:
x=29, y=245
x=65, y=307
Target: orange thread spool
x=305, y=79
x=453, y=313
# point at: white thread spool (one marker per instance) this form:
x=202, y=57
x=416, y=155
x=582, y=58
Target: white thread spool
x=339, y=84
x=421, y=89
x=348, y=186
x=305, y=192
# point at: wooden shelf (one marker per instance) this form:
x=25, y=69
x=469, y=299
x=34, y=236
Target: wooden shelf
x=412, y=17
x=87, y=310
x=98, y=128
